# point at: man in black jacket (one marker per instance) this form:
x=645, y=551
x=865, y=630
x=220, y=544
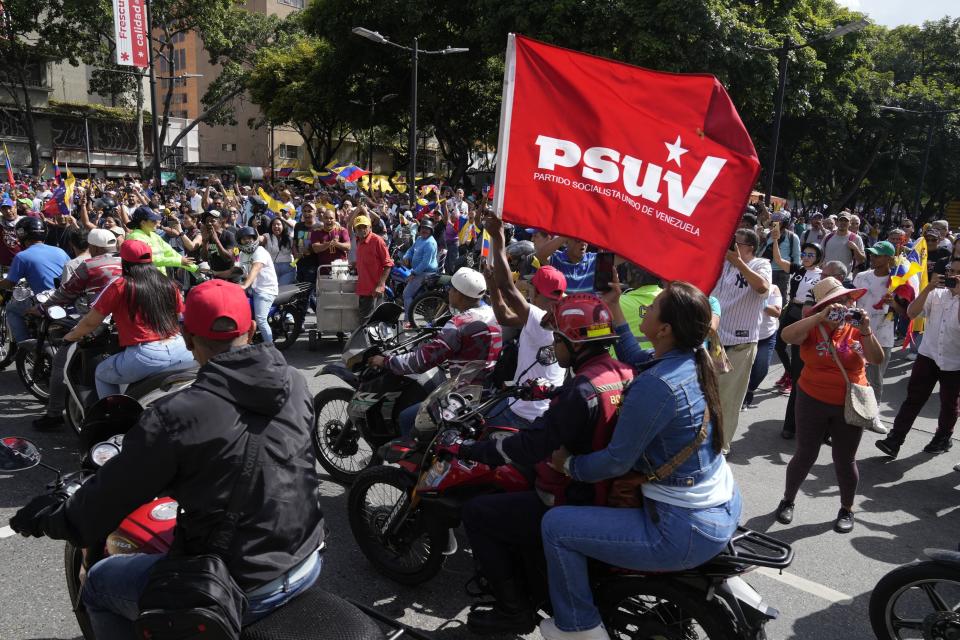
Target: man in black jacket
x=190, y=446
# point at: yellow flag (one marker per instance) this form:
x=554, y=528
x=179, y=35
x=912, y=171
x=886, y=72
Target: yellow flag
x=69, y=183
x=273, y=205
x=920, y=247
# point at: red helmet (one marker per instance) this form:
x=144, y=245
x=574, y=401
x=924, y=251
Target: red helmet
x=583, y=317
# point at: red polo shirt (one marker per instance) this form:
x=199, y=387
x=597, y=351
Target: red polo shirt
x=372, y=259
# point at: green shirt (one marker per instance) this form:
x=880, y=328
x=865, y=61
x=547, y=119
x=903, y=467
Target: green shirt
x=634, y=303
x=163, y=254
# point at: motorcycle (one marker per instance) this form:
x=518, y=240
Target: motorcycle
x=287, y=314
x=919, y=600
x=8, y=350
x=400, y=516
x=35, y=357
x=430, y=304
x=150, y=529
x=351, y=422
x=80, y=369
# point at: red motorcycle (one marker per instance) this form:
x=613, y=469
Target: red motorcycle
x=401, y=515
x=149, y=529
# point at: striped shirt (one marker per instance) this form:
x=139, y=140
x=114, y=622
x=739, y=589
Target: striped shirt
x=741, y=304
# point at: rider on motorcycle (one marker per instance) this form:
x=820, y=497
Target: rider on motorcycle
x=471, y=335
x=190, y=445
x=90, y=278
x=260, y=278
x=39, y=263
x=144, y=223
x=582, y=418
x=513, y=310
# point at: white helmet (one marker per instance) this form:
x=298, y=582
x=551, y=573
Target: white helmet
x=469, y=282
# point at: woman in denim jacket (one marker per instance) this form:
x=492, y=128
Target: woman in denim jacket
x=688, y=517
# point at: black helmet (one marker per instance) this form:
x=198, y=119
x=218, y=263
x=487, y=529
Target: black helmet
x=247, y=232
x=816, y=247
x=520, y=249
x=106, y=203
x=426, y=223
x=30, y=228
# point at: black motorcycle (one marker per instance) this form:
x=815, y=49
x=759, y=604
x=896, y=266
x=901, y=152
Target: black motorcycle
x=35, y=357
x=352, y=422
x=430, y=304
x=919, y=600
x=287, y=314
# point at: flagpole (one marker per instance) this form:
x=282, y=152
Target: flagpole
x=86, y=129
x=157, y=150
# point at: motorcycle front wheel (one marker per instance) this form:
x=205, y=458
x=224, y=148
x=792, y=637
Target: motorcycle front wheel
x=918, y=600
x=72, y=567
x=34, y=372
x=649, y=609
x=339, y=447
x=410, y=553
x=427, y=306
x=286, y=324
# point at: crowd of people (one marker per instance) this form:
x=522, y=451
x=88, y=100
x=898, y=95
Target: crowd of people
x=660, y=373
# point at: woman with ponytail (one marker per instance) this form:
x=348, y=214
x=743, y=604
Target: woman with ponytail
x=670, y=433
x=146, y=306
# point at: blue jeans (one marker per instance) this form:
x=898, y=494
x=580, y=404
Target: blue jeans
x=139, y=361
x=410, y=291
x=502, y=415
x=761, y=366
x=261, y=311
x=111, y=593
x=407, y=419
x=15, y=319
x=656, y=537
x=286, y=273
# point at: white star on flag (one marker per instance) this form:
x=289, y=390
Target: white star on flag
x=674, y=151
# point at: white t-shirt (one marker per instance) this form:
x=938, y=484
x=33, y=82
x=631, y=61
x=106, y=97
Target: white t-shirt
x=769, y=324
x=266, y=282
x=877, y=287
x=196, y=203
x=941, y=336
x=532, y=337
x=740, y=304
x=807, y=279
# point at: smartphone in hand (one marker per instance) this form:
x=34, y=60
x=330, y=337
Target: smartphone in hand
x=603, y=275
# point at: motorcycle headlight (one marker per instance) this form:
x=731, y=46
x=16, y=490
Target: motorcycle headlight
x=101, y=453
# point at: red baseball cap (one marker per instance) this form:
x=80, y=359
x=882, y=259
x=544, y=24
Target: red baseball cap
x=136, y=251
x=550, y=282
x=215, y=300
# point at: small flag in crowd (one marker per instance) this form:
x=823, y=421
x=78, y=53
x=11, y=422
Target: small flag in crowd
x=350, y=173
x=6, y=158
x=273, y=205
x=485, y=246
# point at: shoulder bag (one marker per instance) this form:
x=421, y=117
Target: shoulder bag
x=625, y=491
x=718, y=354
x=194, y=596
x=860, y=404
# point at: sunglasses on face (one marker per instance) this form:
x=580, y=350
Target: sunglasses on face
x=808, y=255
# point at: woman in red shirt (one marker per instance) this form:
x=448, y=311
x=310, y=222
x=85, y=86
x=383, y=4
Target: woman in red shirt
x=822, y=390
x=146, y=307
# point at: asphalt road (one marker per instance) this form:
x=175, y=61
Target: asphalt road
x=903, y=506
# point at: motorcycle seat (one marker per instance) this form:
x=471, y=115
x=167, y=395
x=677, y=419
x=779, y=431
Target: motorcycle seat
x=312, y=615
x=289, y=291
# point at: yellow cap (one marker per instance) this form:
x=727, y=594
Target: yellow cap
x=361, y=221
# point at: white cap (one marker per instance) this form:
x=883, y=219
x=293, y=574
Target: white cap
x=408, y=215
x=469, y=282
x=102, y=238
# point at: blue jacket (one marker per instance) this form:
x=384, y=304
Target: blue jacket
x=39, y=264
x=661, y=414
x=423, y=255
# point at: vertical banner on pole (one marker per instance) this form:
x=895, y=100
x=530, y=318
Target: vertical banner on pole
x=130, y=30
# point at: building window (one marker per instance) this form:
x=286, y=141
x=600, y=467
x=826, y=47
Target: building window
x=229, y=146
x=297, y=4
x=289, y=151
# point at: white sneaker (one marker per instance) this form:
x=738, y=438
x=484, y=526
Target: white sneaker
x=879, y=427
x=956, y=467
x=550, y=632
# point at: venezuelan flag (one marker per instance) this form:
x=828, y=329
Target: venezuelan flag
x=485, y=246
x=6, y=158
x=351, y=173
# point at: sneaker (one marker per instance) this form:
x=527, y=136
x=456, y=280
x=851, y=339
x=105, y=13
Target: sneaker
x=47, y=422
x=889, y=446
x=911, y=357
x=938, y=445
x=956, y=468
x=844, y=521
x=785, y=512
x=879, y=427
x=784, y=379
x=550, y=632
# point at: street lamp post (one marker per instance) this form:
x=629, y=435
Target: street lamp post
x=783, y=53
x=415, y=52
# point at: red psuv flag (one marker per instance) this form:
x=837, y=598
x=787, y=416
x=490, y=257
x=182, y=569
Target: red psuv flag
x=656, y=167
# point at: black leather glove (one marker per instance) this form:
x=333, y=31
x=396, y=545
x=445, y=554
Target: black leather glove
x=29, y=520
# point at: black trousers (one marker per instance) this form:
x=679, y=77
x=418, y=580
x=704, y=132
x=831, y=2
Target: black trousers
x=504, y=532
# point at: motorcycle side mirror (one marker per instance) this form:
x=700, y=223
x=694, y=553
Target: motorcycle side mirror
x=18, y=454
x=57, y=313
x=546, y=356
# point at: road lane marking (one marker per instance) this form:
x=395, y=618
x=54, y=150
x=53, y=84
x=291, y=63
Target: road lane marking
x=809, y=586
